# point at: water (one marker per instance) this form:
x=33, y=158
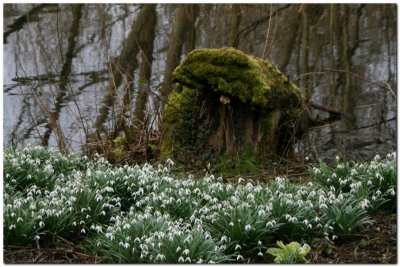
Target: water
x=58, y=61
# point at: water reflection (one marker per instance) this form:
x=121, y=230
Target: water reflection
x=58, y=59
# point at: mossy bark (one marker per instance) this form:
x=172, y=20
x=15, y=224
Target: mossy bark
x=229, y=103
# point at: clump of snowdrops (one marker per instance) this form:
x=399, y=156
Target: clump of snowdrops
x=145, y=214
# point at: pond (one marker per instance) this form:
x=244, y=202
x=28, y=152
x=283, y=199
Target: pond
x=73, y=70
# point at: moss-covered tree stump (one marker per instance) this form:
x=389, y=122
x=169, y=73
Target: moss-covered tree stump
x=229, y=103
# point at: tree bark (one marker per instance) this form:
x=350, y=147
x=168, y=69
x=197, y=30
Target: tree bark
x=183, y=24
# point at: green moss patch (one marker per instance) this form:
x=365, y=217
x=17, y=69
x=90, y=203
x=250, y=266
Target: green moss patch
x=228, y=70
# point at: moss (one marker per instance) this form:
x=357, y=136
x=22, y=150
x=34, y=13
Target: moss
x=257, y=90
x=177, y=111
x=228, y=70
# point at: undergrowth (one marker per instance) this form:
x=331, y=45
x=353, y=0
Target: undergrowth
x=145, y=214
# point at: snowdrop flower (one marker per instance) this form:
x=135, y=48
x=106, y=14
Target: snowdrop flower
x=259, y=243
x=364, y=203
x=239, y=257
x=83, y=231
x=160, y=257
x=48, y=169
x=231, y=224
x=237, y=247
x=181, y=259
x=37, y=237
x=334, y=237
x=260, y=254
x=12, y=226
x=224, y=239
x=41, y=224
x=247, y=227
x=240, y=180
x=110, y=236
x=188, y=259
x=20, y=220
x=392, y=192
x=185, y=252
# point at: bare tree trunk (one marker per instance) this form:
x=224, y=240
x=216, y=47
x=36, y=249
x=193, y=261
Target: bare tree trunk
x=236, y=21
x=183, y=24
x=146, y=39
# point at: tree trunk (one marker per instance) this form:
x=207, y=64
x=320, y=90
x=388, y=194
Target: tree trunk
x=183, y=26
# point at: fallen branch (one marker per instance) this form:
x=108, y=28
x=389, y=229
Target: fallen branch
x=329, y=109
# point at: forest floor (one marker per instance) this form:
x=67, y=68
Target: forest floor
x=375, y=244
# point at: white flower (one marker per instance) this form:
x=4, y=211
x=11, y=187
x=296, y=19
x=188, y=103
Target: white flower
x=239, y=257
x=260, y=254
x=83, y=231
x=20, y=220
x=181, y=259
x=188, y=259
x=224, y=238
x=231, y=224
x=110, y=236
x=237, y=247
x=353, y=172
x=364, y=203
x=392, y=192
x=185, y=252
x=37, y=237
x=261, y=212
x=247, y=227
x=160, y=257
x=269, y=224
x=41, y=224
x=334, y=237
x=259, y=243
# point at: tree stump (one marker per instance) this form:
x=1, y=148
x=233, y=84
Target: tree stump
x=229, y=103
